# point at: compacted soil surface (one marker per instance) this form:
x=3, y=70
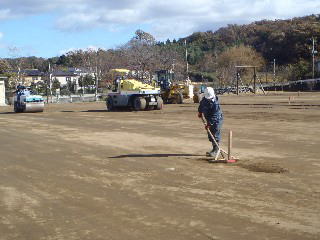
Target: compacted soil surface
x=76, y=171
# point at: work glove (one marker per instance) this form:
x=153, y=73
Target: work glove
x=199, y=115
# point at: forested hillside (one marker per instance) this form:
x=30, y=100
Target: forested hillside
x=286, y=40
x=289, y=42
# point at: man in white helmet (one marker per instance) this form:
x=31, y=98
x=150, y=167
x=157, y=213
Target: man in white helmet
x=210, y=108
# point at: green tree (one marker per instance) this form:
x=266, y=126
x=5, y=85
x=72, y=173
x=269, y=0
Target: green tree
x=56, y=84
x=4, y=66
x=64, y=61
x=195, y=54
x=85, y=82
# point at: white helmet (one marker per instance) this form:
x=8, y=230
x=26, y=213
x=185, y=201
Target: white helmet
x=209, y=93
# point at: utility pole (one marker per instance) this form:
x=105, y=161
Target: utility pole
x=185, y=43
x=274, y=69
x=266, y=72
x=274, y=74
x=237, y=83
x=313, y=53
x=254, y=80
x=98, y=73
x=50, y=82
x=96, y=83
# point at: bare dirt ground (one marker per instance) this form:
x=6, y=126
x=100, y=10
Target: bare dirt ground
x=76, y=171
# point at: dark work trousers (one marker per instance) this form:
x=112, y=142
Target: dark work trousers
x=215, y=129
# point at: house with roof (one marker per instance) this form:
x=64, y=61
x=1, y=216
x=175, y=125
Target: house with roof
x=28, y=76
x=2, y=91
x=65, y=77
x=70, y=76
x=31, y=76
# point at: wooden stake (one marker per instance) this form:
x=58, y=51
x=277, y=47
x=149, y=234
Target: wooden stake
x=230, y=145
x=230, y=159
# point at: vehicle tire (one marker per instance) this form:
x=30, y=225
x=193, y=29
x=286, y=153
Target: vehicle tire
x=196, y=98
x=24, y=108
x=165, y=98
x=150, y=107
x=179, y=98
x=16, y=108
x=159, y=103
x=110, y=106
x=139, y=103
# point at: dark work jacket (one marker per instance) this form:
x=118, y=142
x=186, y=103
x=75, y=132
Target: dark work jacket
x=211, y=110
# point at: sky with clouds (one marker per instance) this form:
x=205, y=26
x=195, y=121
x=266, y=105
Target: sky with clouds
x=47, y=28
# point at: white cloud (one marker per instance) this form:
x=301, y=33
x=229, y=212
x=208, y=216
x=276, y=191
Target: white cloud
x=165, y=18
x=64, y=51
x=4, y=13
x=94, y=48
x=2, y=45
x=90, y=47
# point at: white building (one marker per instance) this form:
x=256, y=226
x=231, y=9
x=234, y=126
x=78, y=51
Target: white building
x=2, y=92
x=72, y=75
x=65, y=76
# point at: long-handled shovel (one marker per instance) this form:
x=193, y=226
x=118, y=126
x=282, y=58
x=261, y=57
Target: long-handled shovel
x=220, y=150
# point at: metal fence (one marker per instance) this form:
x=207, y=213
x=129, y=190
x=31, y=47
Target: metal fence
x=68, y=98
x=299, y=85
x=73, y=98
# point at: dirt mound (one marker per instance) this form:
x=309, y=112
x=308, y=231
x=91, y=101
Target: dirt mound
x=266, y=167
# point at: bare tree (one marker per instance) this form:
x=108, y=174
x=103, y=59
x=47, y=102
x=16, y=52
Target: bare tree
x=140, y=52
x=238, y=55
x=208, y=63
x=17, y=65
x=167, y=57
x=110, y=59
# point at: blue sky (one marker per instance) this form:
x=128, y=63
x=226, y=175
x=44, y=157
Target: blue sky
x=45, y=28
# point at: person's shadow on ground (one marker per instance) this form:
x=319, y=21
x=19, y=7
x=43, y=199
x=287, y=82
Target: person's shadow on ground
x=156, y=155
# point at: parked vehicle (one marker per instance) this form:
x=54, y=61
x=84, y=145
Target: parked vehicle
x=133, y=93
x=172, y=92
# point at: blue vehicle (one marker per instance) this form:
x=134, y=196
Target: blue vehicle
x=26, y=101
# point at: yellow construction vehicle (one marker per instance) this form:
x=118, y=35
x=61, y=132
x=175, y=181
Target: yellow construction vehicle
x=132, y=93
x=172, y=92
x=198, y=92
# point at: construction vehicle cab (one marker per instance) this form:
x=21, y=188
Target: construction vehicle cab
x=26, y=101
x=198, y=93
x=132, y=93
x=164, y=79
x=171, y=93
